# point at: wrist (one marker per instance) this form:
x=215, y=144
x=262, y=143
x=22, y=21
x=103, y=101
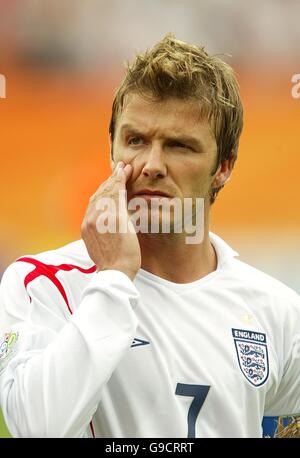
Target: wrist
x=131, y=273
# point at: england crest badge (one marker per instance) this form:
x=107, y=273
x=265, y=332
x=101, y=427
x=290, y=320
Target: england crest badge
x=252, y=353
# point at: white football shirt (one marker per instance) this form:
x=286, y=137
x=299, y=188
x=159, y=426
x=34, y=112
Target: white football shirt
x=87, y=354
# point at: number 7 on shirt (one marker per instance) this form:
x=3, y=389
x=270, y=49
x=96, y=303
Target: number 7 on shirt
x=199, y=393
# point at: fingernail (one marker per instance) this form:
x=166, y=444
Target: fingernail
x=120, y=171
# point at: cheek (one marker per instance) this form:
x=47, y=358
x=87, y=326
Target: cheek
x=128, y=157
x=121, y=153
x=198, y=181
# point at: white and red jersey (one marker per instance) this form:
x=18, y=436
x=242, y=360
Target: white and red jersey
x=87, y=354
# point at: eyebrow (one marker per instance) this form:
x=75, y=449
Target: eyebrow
x=131, y=129
x=175, y=138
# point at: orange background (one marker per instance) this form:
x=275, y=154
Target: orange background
x=54, y=154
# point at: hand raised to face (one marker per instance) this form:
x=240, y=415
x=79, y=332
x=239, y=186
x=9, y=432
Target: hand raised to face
x=112, y=250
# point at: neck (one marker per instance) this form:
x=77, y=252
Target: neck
x=170, y=257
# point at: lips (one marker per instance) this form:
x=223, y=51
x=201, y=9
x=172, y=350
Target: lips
x=151, y=192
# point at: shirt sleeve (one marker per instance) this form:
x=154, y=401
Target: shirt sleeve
x=53, y=369
x=285, y=401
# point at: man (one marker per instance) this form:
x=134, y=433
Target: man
x=126, y=334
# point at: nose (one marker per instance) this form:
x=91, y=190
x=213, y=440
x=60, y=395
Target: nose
x=155, y=166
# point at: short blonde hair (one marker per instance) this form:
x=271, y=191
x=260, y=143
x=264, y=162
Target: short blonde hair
x=173, y=68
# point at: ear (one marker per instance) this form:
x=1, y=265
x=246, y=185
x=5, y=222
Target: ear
x=223, y=172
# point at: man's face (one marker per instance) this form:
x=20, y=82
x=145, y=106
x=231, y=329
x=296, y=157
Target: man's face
x=170, y=147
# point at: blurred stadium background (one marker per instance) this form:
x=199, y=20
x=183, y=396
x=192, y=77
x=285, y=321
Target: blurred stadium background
x=62, y=60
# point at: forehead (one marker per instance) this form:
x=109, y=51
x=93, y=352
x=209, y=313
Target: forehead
x=169, y=116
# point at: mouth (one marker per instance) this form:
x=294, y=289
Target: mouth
x=148, y=193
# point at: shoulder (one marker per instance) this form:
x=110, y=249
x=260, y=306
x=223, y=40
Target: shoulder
x=259, y=280
x=73, y=254
x=50, y=278
x=27, y=268
x=263, y=289
x=247, y=279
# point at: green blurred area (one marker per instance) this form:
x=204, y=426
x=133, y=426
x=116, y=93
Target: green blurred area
x=3, y=430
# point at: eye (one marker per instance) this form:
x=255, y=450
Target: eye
x=179, y=145
x=134, y=140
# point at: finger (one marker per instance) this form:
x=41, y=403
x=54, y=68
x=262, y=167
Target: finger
x=128, y=170
x=121, y=177
x=116, y=168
